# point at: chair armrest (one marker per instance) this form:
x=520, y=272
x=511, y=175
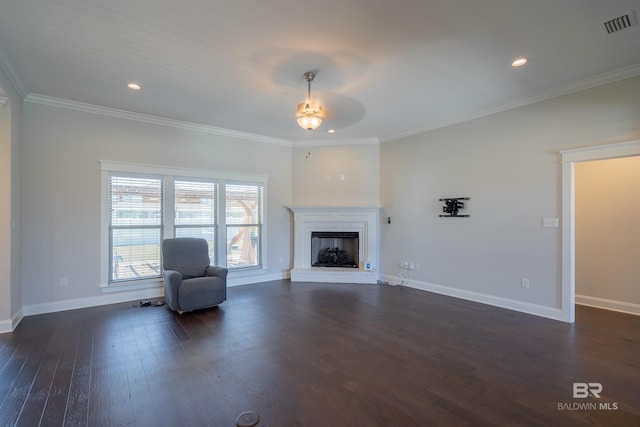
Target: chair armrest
x=216, y=271
x=172, y=280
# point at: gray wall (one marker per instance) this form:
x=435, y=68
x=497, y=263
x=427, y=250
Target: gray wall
x=337, y=175
x=607, y=218
x=61, y=190
x=508, y=164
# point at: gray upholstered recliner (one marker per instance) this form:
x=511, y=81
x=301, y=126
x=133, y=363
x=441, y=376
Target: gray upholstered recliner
x=190, y=283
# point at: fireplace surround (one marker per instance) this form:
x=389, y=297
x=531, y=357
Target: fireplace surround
x=360, y=223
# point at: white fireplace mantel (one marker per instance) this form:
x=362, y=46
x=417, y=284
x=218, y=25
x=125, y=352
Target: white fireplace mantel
x=365, y=220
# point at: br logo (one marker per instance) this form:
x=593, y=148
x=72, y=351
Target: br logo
x=584, y=390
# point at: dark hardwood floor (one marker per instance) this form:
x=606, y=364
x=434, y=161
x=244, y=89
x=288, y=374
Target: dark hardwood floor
x=326, y=355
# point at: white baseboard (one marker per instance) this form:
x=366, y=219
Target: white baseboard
x=607, y=304
x=10, y=325
x=524, y=307
x=6, y=326
x=73, y=304
x=114, y=297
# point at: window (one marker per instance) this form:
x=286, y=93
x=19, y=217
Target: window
x=244, y=225
x=195, y=212
x=135, y=230
x=145, y=204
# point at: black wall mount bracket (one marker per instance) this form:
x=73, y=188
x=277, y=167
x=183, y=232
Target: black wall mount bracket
x=452, y=206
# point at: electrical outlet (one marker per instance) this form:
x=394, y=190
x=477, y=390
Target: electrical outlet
x=412, y=266
x=550, y=222
x=524, y=283
x=63, y=281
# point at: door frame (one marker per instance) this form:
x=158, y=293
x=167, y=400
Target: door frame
x=569, y=159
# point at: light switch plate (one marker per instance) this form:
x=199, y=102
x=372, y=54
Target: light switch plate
x=550, y=222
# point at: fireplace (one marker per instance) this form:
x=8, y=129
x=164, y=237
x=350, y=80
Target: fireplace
x=336, y=244
x=334, y=249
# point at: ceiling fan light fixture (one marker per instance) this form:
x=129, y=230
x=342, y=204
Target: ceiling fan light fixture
x=309, y=114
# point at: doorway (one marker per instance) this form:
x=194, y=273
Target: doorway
x=569, y=159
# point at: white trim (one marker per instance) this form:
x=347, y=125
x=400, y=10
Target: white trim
x=146, y=118
x=104, y=228
x=588, y=83
x=111, y=298
x=340, y=142
x=16, y=84
x=120, y=297
x=568, y=267
x=197, y=127
x=6, y=326
x=10, y=325
x=607, y=304
x=601, y=152
x=569, y=158
x=591, y=82
x=524, y=307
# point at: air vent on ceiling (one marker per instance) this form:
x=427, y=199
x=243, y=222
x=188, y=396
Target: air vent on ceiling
x=620, y=23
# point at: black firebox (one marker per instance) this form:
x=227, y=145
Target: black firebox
x=334, y=249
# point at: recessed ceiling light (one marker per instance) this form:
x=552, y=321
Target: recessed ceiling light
x=519, y=62
x=133, y=86
x=331, y=131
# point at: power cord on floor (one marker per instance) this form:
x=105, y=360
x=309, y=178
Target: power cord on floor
x=402, y=277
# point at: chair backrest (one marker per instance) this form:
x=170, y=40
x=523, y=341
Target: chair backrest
x=188, y=255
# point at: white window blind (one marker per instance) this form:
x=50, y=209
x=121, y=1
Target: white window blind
x=195, y=212
x=135, y=227
x=244, y=225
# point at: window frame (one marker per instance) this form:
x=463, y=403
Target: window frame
x=168, y=176
x=160, y=227
x=259, y=224
x=216, y=217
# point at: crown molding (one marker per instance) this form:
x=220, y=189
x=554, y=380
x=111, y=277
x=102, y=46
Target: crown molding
x=577, y=86
x=146, y=118
x=11, y=78
x=341, y=142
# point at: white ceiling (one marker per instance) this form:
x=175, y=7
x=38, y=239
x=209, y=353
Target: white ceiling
x=384, y=68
